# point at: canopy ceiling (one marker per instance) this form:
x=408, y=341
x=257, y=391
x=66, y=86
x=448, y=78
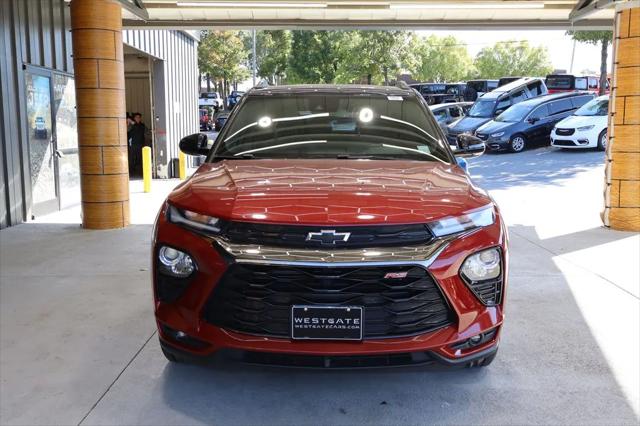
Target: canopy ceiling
x=387, y=14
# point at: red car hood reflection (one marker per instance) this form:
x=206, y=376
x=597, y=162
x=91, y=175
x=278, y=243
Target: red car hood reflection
x=320, y=192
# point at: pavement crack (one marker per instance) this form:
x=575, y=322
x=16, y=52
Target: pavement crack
x=117, y=377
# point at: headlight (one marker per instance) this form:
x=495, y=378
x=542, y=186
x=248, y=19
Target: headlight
x=175, y=262
x=197, y=221
x=497, y=135
x=484, y=265
x=483, y=216
x=583, y=128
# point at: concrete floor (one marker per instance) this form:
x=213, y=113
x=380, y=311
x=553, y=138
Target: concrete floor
x=78, y=342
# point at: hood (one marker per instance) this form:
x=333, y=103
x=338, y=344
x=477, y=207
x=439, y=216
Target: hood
x=313, y=192
x=494, y=126
x=574, y=121
x=468, y=124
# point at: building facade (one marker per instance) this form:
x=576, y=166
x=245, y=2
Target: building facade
x=39, y=156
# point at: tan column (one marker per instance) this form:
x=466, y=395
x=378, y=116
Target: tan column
x=622, y=192
x=96, y=27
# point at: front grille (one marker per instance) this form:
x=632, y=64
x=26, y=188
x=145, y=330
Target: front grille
x=329, y=361
x=563, y=142
x=296, y=236
x=565, y=132
x=257, y=299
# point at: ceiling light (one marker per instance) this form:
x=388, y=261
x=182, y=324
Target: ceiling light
x=492, y=5
x=270, y=5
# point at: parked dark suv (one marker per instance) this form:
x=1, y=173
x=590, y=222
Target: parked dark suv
x=438, y=93
x=530, y=122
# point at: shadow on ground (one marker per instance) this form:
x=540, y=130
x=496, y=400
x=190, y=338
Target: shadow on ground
x=549, y=370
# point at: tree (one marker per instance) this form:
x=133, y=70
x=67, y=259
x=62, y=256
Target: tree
x=314, y=56
x=273, y=49
x=372, y=55
x=440, y=59
x=512, y=58
x=603, y=38
x=221, y=55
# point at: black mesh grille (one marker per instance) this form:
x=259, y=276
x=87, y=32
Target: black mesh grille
x=565, y=132
x=295, y=236
x=257, y=299
x=562, y=142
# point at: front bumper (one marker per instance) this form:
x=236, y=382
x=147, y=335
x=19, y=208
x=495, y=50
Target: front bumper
x=495, y=144
x=578, y=139
x=471, y=316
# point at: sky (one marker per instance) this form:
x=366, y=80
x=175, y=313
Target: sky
x=559, y=45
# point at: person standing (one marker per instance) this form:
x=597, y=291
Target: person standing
x=137, y=139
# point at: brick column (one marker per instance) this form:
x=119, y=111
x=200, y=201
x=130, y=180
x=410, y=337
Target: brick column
x=96, y=27
x=622, y=191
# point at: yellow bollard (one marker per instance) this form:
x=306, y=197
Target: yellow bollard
x=146, y=168
x=182, y=165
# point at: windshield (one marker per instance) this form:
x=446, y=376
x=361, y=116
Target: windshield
x=559, y=82
x=433, y=88
x=594, y=107
x=331, y=125
x=482, y=109
x=478, y=86
x=514, y=114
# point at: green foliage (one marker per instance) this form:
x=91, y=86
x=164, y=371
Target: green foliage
x=314, y=56
x=371, y=56
x=592, y=37
x=273, y=48
x=440, y=59
x=221, y=55
x=512, y=58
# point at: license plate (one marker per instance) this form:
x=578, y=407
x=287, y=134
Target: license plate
x=326, y=322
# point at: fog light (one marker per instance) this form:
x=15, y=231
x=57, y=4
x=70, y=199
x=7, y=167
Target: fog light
x=475, y=339
x=175, y=263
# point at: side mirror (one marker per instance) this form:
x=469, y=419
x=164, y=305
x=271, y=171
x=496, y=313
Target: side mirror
x=468, y=146
x=533, y=120
x=195, y=144
x=498, y=112
x=463, y=164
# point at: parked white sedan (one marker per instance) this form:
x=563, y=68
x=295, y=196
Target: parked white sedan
x=586, y=128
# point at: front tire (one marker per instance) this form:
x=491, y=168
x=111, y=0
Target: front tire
x=517, y=143
x=602, y=140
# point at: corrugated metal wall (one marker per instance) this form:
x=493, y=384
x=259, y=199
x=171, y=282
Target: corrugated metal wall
x=34, y=32
x=177, y=106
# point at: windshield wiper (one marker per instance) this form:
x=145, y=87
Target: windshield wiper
x=233, y=157
x=365, y=157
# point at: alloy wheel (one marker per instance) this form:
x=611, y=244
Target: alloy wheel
x=517, y=144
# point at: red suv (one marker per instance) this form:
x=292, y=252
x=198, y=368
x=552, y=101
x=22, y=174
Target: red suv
x=330, y=226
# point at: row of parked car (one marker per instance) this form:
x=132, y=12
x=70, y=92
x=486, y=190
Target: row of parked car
x=470, y=91
x=211, y=104
x=523, y=113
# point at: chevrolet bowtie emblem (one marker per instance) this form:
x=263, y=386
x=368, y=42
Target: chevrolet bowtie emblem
x=328, y=236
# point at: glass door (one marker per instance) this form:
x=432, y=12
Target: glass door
x=66, y=140
x=42, y=146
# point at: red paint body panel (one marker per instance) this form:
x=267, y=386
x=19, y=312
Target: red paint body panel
x=336, y=192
